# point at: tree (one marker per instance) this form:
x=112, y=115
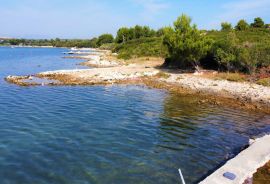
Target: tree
x=147, y=32
x=138, y=32
x=124, y=34
x=225, y=26
x=242, y=25
x=225, y=51
x=105, y=38
x=258, y=23
x=248, y=58
x=185, y=43
x=160, y=32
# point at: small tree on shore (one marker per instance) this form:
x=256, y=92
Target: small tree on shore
x=185, y=43
x=226, y=26
x=242, y=25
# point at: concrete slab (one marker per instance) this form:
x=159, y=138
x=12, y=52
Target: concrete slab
x=243, y=165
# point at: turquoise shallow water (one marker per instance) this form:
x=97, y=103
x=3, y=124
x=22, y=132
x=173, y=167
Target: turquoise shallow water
x=115, y=134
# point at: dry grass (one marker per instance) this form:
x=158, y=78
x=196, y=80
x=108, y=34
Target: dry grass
x=233, y=77
x=264, y=82
x=147, y=61
x=263, y=175
x=163, y=75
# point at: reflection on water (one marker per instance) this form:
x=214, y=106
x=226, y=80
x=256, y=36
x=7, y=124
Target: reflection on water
x=110, y=134
x=206, y=135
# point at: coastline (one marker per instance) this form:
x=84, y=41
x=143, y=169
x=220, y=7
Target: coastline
x=109, y=70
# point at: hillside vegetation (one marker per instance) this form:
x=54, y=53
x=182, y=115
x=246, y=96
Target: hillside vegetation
x=141, y=47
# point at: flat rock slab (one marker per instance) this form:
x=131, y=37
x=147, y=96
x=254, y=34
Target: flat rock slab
x=244, y=165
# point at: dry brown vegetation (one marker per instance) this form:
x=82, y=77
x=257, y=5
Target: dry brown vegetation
x=263, y=175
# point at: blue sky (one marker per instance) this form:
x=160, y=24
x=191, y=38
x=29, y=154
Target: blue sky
x=88, y=18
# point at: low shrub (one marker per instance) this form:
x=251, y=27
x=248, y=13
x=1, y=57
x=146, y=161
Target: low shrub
x=108, y=46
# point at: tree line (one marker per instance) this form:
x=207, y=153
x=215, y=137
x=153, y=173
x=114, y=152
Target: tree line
x=124, y=34
x=242, y=25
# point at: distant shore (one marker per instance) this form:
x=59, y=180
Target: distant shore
x=109, y=70
x=25, y=46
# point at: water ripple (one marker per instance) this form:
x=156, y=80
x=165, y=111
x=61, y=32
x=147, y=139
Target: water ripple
x=110, y=134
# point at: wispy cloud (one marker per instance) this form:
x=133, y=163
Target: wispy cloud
x=151, y=8
x=234, y=11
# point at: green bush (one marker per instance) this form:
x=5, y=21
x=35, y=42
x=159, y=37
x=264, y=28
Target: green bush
x=108, y=46
x=140, y=48
x=258, y=23
x=186, y=44
x=225, y=26
x=243, y=51
x=242, y=25
x=105, y=38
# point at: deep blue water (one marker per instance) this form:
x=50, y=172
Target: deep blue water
x=116, y=134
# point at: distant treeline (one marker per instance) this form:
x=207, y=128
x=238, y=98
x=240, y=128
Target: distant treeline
x=52, y=42
x=123, y=35
x=242, y=25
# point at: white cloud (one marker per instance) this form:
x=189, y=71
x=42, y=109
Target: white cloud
x=151, y=8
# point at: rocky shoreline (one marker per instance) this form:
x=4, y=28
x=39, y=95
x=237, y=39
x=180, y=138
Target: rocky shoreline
x=108, y=70
x=241, y=91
